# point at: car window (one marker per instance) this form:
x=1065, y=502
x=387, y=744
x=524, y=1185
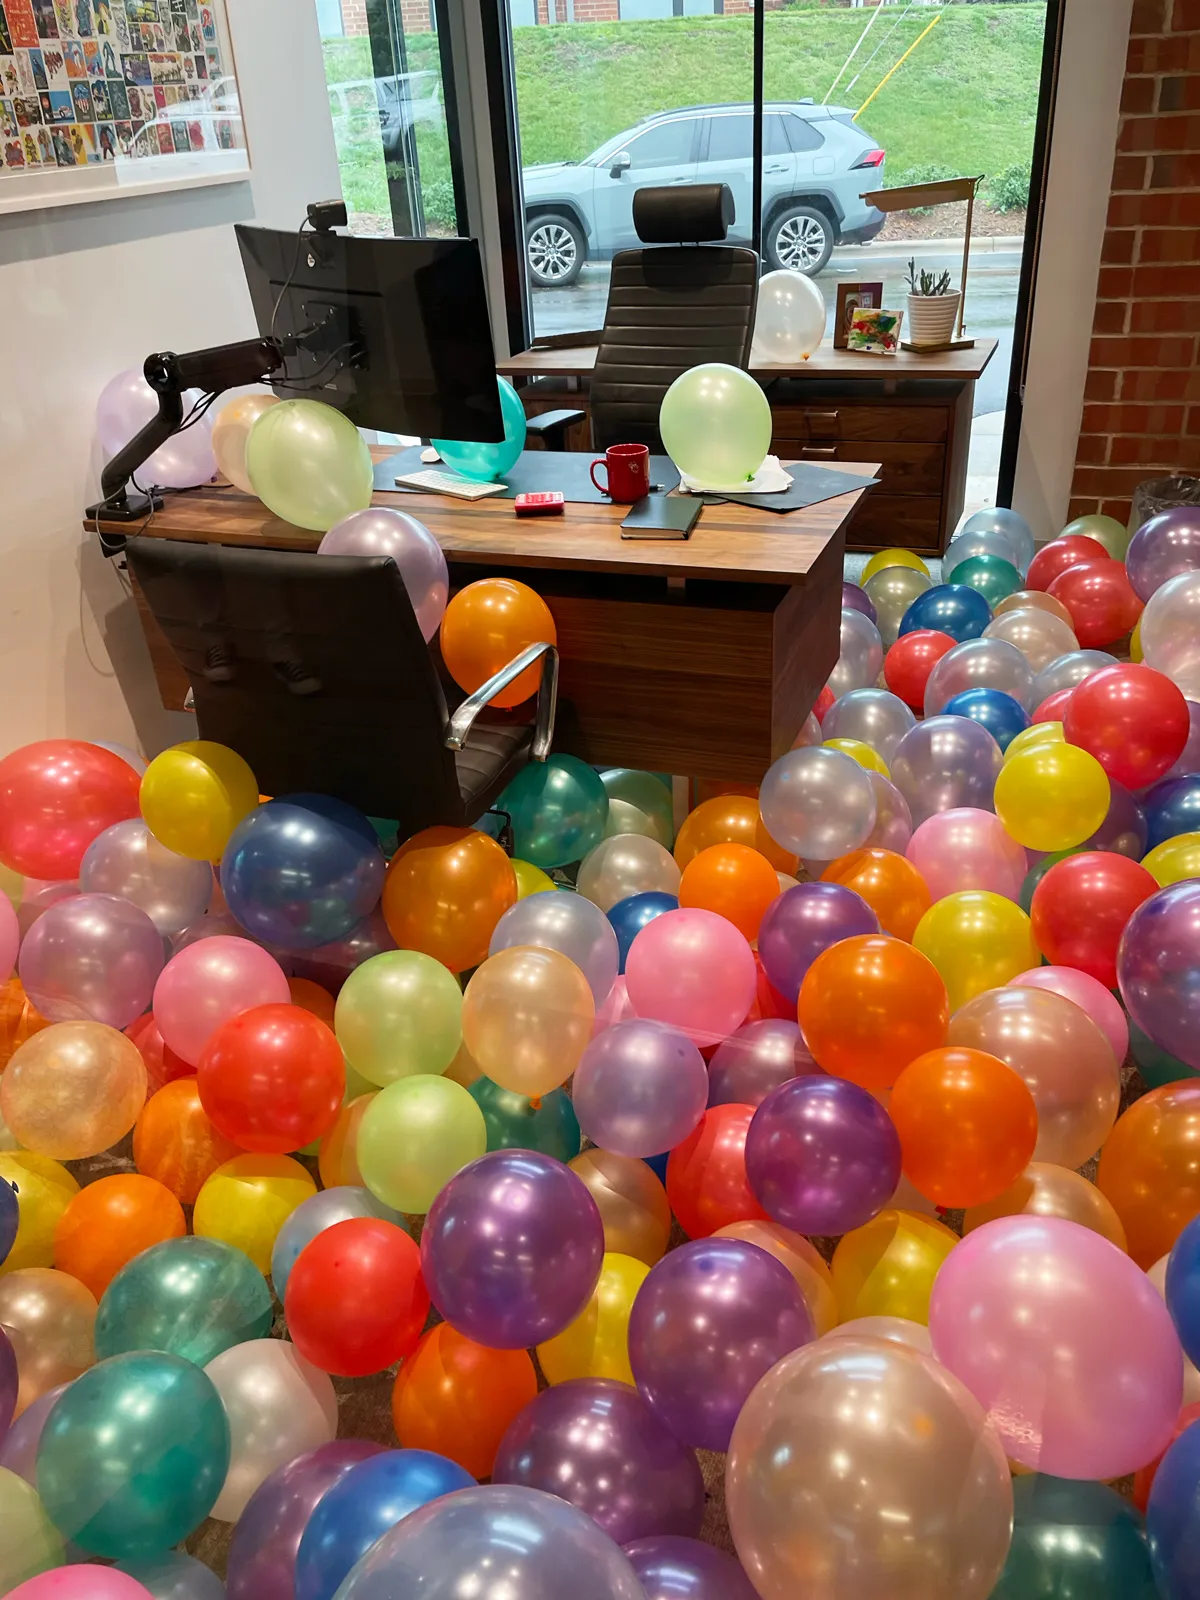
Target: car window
x=667, y=144
x=803, y=135
x=731, y=138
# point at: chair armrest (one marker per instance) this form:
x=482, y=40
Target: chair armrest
x=551, y=427
x=463, y=719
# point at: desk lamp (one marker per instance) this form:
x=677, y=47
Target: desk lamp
x=917, y=195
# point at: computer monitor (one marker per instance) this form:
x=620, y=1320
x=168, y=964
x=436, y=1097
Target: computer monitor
x=393, y=332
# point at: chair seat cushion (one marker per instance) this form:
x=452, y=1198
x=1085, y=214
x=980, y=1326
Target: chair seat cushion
x=493, y=755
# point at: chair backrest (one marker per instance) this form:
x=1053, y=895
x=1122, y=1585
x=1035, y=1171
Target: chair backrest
x=671, y=307
x=312, y=668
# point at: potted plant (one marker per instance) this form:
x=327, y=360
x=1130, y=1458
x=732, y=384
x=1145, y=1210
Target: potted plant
x=932, y=307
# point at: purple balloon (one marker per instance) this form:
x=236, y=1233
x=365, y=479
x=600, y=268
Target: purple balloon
x=802, y=923
x=8, y=1383
x=640, y=1087
x=855, y=598
x=126, y=405
x=380, y=531
x=710, y=1320
x=944, y=763
x=512, y=1249
x=822, y=1156
x=18, y=1452
x=1158, y=969
x=1163, y=548
x=670, y=1568
x=893, y=817
x=92, y=958
x=756, y=1059
x=596, y=1443
x=262, y=1556
x=1125, y=829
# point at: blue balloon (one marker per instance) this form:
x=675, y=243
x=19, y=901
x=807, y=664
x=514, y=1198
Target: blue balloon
x=1172, y=807
x=1183, y=1288
x=483, y=462
x=338, y=811
x=10, y=1217
x=658, y=1165
x=1173, y=1519
x=630, y=916
x=361, y=1507
x=299, y=877
x=1002, y=716
x=951, y=608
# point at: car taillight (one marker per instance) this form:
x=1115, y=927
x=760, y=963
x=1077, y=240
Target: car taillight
x=872, y=158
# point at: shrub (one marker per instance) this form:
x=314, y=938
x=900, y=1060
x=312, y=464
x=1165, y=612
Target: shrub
x=1009, y=190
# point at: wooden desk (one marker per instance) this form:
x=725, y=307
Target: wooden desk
x=911, y=413
x=700, y=657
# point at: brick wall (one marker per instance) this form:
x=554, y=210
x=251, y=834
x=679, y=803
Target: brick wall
x=415, y=15
x=1141, y=412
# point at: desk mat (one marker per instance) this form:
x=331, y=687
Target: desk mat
x=535, y=472
x=810, y=485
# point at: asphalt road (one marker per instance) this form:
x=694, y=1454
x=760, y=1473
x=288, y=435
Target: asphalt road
x=991, y=299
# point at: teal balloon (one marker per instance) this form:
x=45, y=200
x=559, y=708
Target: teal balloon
x=646, y=791
x=991, y=576
x=485, y=462
x=133, y=1455
x=558, y=809
x=514, y=1124
x=1074, y=1540
x=187, y=1297
x=1035, y=874
x=1156, y=1065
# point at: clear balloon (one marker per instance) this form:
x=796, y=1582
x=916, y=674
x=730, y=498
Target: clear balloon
x=1039, y=635
x=207, y=984
x=569, y=923
x=92, y=958
x=173, y=1576
x=946, y=763
x=126, y=404
x=1010, y=524
x=979, y=664
x=819, y=803
x=876, y=717
x=309, y=464
x=967, y=849
x=231, y=429
x=247, y=1200
x=381, y=531
x=634, y=1211
x=484, y=462
x=73, y=1089
x=1158, y=970
x=194, y=795
x=715, y=423
x=860, y=657
x=624, y=866
x=1068, y=672
x=671, y=1568
x=49, y=1318
x=789, y=321
x=893, y=818
x=126, y=860
x=414, y=1136
x=972, y=542
x=693, y=970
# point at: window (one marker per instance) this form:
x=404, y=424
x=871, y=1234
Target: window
x=801, y=135
x=731, y=138
x=329, y=18
x=668, y=144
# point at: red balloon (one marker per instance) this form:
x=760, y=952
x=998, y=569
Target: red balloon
x=1054, y=558
x=768, y=1002
x=356, y=1301
x=1054, y=707
x=908, y=663
x=55, y=797
x=823, y=702
x=163, y=1066
x=272, y=1079
x=1101, y=601
x=1080, y=909
x=1132, y=719
x=706, y=1174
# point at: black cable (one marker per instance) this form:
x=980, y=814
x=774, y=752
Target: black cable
x=287, y=282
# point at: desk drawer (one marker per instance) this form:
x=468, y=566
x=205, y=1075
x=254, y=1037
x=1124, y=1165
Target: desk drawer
x=906, y=468
x=844, y=420
x=883, y=520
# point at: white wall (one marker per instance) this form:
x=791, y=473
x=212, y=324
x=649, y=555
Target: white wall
x=87, y=291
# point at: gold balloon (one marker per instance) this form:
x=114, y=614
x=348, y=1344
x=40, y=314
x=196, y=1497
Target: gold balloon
x=803, y=1260
x=73, y=1090
x=1174, y=859
x=596, y=1344
x=860, y=1469
x=886, y=1268
x=1044, y=1190
x=527, y=1017
x=1150, y=1168
x=632, y=1203
x=230, y=432
x=50, y=1318
x=1025, y=599
x=44, y=1190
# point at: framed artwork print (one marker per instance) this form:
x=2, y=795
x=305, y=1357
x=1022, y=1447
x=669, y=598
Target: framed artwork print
x=850, y=296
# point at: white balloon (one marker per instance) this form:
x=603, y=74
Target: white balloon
x=790, y=322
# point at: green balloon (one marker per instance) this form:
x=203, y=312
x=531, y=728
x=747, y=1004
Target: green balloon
x=486, y=462
x=647, y=792
x=187, y=1297
x=1035, y=874
x=134, y=1455
x=309, y=464
x=715, y=424
x=558, y=808
x=1074, y=1540
x=514, y=1124
x=399, y=1014
x=414, y=1136
x=29, y=1541
x=991, y=576
x=1113, y=535
x=1154, y=1063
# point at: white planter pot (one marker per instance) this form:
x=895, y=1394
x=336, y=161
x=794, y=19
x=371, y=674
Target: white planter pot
x=933, y=318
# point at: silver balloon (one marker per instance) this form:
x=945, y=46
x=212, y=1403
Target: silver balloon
x=1171, y=632
x=569, y=923
x=819, y=803
x=999, y=519
x=174, y=1576
x=128, y=861
x=342, y=1203
x=873, y=716
x=628, y=864
x=891, y=592
x=893, y=817
x=383, y=531
x=861, y=655
x=980, y=542
x=1040, y=636
x=979, y=664
x=944, y=763
x=1066, y=672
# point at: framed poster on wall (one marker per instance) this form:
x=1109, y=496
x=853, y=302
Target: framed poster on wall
x=107, y=98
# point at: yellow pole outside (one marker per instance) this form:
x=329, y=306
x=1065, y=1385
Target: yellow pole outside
x=897, y=67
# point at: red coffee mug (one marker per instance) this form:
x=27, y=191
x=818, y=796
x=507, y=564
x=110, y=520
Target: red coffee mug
x=627, y=467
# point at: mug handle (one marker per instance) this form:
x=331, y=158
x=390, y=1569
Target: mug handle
x=603, y=487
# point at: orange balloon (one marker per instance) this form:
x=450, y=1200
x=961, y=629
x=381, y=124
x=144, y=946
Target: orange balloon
x=734, y=881
x=110, y=1222
x=1150, y=1168
x=457, y=1398
x=485, y=626
x=311, y=997
x=730, y=819
x=889, y=883
x=445, y=891
x=19, y=1019
x=870, y=1005
x=175, y=1143
x=337, y=1159
x=967, y=1125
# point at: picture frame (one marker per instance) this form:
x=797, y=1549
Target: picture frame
x=875, y=331
x=850, y=296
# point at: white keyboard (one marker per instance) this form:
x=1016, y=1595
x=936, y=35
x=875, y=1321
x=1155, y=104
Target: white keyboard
x=434, y=482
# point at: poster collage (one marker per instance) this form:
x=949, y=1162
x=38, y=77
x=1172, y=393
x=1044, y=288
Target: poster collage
x=84, y=82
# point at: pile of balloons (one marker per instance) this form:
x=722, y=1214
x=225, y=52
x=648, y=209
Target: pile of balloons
x=756, y=1131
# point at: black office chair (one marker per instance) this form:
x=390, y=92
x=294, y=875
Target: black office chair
x=668, y=309
x=314, y=669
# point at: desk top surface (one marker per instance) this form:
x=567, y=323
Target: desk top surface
x=734, y=543
x=576, y=361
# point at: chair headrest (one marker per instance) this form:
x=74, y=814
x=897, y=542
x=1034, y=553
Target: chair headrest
x=691, y=213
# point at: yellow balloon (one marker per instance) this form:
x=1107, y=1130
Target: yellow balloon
x=892, y=558
x=596, y=1345
x=977, y=940
x=531, y=879
x=1135, y=642
x=887, y=1267
x=230, y=432
x=860, y=752
x=1034, y=737
x=44, y=1190
x=247, y=1200
x=194, y=795
x=1052, y=797
x=1174, y=859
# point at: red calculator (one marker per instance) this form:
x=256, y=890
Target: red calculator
x=547, y=503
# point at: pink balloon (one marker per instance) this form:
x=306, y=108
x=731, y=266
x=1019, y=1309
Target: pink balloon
x=83, y=1582
x=1087, y=992
x=1064, y=1342
x=124, y=408
x=693, y=969
x=10, y=937
x=206, y=983
x=967, y=849
x=616, y=1008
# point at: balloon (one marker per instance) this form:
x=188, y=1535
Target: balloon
x=1182, y=1288
x=707, y=1184
x=30, y=1542
x=710, y=1320
x=640, y=1087
x=19, y=1020
x=1068, y=672
x=355, y=1300
x=230, y=431
x=887, y=1268
x=945, y=763
x=910, y=662
x=531, y=879
x=188, y=1297
x=1149, y=1169
x=991, y=576
x=803, y=922
x=1043, y=1190
x=314, y=1216
x=485, y=462
x=1087, y=993
x=633, y=1206
x=110, y=1222
x=801, y=1259
x=10, y=1219
x=693, y=970
x=1034, y=736
x=1002, y=715
x=527, y=1016
x=876, y=717
x=1165, y=547
x=1132, y=719
x=414, y=1136
x=966, y=849
x=883, y=560
x=860, y=657
x=56, y=796
x=558, y=810
x=445, y=891
x=859, y=752
x=629, y=916
x=309, y=464
x=47, y=1319
x=488, y=624
x=596, y=1344
x=126, y=860
x=732, y=880
x=247, y=1200
x=1156, y=1066
x=1040, y=635
x=671, y=1568
x=855, y=598
x=1170, y=1516
x=126, y=404
x=1033, y=599
x=789, y=322
x=890, y=592
x=272, y=1078
x=961, y=612
x=1010, y=524
x=514, y=1122
x=1143, y=1480
x=990, y=543
x=1124, y=829
x=1052, y=797
x=1173, y=809
x=1157, y=969
x=759, y=1057
x=570, y=924
x=1101, y=601
x=1174, y=860
x=715, y=424
x=380, y=531
x=1043, y=1288
x=209, y=983
x=989, y=664
x=194, y=795
x=91, y=958
x=891, y=886
x=18, y=1449
x=1080, y=909
x=72, y=1090
x=624, y=866
x=172, y=1576
x=818, y=802
x=1060, y=555
x=44, y=1190
x=175, y=1143
x=397, y=1014
x=132, y=1457
x=1074, y=1538
x=837, y=1431
x=331, y=964
x=648, y=793
x=728, y=819
x=822, y=1155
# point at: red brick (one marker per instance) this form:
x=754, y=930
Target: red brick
x=1146, y=421
x=1118, y=247
x=1102, y=481
x=1149, y=17
x=1130, y=173
x=1161, y=210
x=1100, y=385
x=1177, y=131
x=1152, y=384
x=1156, y=282
x=1119, y=509
x=1179, y=245
x=1164, y=316
x=1139, y=96
x=1081, y=508
x=1177, y=54
x=1093, y=450
x=1167, y=455
x=1185, y=17
x=1112, y=316
x=1175, y=171
x=1115, y=283
x=1178, y=93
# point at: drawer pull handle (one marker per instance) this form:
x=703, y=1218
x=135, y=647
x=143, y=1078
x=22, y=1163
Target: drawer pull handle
x=820, y=452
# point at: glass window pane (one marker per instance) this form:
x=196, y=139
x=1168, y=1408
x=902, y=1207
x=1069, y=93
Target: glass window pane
x=802, y=135
x=667, y=144
x=731, y=138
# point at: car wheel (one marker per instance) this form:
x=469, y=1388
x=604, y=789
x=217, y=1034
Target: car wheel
x=555, y=248
x=800, y=239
